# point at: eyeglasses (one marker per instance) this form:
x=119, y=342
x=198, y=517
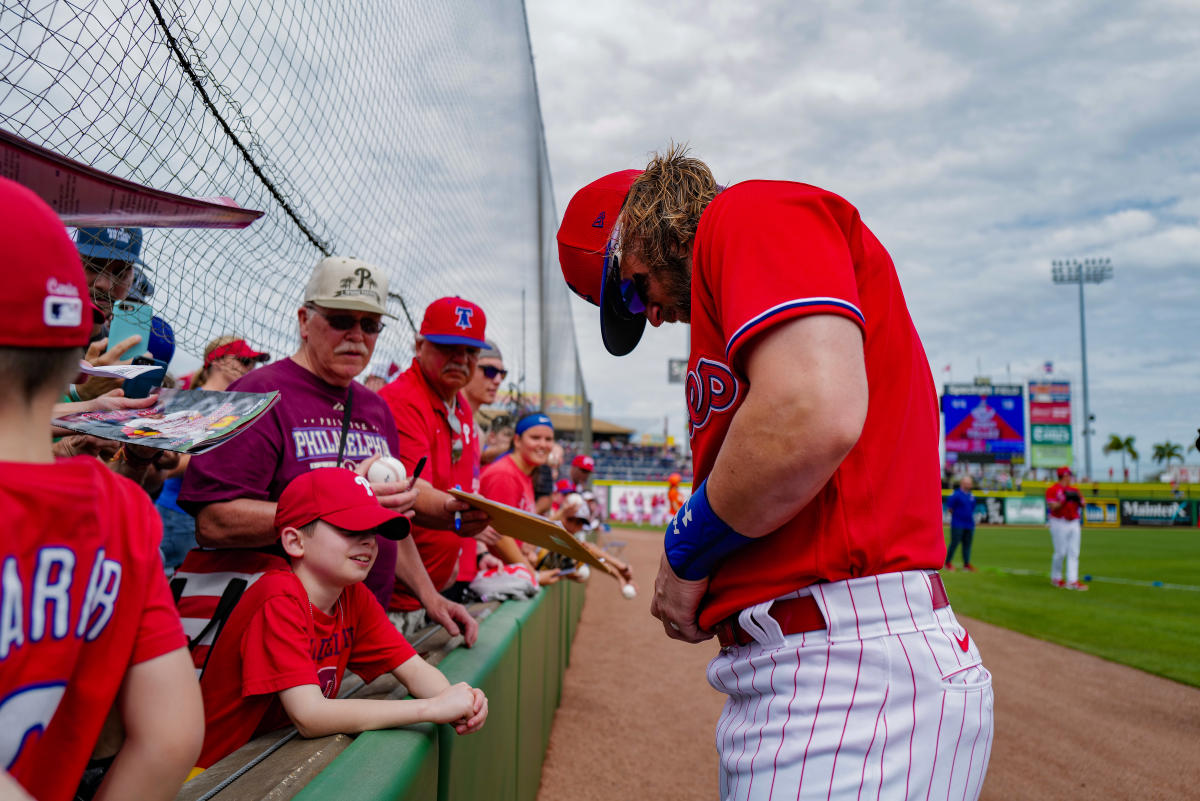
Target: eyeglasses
x=345, y=322
x=491, y=372
x=247, y=362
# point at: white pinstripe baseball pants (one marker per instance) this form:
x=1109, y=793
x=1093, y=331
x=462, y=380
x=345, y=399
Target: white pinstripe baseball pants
x=890, y=702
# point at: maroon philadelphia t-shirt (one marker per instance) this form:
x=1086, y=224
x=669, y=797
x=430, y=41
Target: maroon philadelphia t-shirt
x=299, y=433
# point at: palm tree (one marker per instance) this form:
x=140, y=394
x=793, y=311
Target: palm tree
x=1166, y=451
x=1123, y=446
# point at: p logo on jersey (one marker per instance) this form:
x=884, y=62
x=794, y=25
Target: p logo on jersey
x=711, y=388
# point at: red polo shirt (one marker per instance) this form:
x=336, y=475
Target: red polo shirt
x=424, y=429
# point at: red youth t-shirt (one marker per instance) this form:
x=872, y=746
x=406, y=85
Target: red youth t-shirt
x=767, y=252
x=1057, y=493
x=423, y=429
x=275, y=639
x=84, y=598
x=299, y=433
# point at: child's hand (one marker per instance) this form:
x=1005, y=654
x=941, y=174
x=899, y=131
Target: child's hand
x=455, y=704
x=474, y=723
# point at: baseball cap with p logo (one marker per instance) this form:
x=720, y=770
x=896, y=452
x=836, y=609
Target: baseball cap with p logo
x=46, y=291
x=341, y=498
x=341, y=283
x=587, y=256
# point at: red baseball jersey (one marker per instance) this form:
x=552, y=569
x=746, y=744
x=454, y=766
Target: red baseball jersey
x=1056, y=493
x=275, y=639
x=84, y=598
x=424, y=429
x=767, y=252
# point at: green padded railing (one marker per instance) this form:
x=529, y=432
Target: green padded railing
x=519, y=660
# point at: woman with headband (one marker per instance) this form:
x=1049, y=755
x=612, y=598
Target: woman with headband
x=509, y=479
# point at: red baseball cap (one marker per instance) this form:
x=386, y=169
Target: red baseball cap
x=45, y=289
x=341, y=498
x=564, y=485
x=1064, y=471
x=584, y=462
x=237, y=348
x=454, y=321
x=585, y=253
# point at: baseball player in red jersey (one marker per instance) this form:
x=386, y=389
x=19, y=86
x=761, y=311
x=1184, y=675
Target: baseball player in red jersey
x=1064, y=504
x=87, y=623
x=811, y=540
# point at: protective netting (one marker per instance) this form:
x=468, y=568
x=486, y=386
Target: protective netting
x=405, y=134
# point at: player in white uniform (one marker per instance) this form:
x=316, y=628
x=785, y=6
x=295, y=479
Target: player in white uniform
x=811, y=541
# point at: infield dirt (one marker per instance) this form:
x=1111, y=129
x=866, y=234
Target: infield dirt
x=637, y=716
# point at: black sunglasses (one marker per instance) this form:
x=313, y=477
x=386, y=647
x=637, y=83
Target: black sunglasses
x=344, y=322
x=491, y=372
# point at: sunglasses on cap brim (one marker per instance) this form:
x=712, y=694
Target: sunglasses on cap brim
x=631, y=291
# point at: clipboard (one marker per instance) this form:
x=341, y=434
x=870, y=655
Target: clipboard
x=522, y=525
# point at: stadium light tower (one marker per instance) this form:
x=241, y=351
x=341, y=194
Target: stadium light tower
x=1088, y=271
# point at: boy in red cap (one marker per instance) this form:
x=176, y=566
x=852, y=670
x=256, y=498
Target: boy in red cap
x=88, y=624
x=295, y=632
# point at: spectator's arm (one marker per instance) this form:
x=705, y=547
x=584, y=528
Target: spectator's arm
x=441, y=610
x=314, y=715
x=240, y=523
x=164, y=729
x=434, y=508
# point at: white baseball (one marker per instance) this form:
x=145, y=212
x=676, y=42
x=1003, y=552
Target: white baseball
x=583, y=571
x=387, y=470
x=629, y=591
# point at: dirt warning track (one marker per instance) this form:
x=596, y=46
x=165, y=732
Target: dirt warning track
x=637, y=716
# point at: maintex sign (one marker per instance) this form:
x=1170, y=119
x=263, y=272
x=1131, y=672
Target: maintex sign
x=1156, y=513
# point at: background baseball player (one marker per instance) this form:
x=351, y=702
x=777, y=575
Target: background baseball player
x=1064, y=503
x=810, y=542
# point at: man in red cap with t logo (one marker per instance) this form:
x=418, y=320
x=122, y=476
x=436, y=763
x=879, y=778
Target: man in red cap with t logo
x=435, y=422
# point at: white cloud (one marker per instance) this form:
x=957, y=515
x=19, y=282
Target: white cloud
x=980, y=142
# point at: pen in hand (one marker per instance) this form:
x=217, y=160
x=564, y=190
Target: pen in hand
x=458, y=515
x=412, y=482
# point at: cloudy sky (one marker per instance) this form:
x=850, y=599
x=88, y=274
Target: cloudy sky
x=980, y=142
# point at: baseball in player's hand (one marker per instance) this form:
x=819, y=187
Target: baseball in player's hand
x=676, y=602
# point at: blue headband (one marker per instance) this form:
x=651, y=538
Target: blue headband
x=530, y=420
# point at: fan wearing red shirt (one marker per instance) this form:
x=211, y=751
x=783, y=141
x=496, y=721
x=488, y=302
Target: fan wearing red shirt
x=87, y=622
x=289, y=642
x=810, y=543
x=1064, y=503
x=509, y=480
x=435, y=422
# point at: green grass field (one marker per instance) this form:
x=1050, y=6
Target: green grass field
x=1122, y=618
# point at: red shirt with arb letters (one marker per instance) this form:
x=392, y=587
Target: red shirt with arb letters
x=274, y=640
x=84, y=598
x=767, y=252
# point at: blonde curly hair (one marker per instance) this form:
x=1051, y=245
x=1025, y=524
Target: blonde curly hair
x=659, y=218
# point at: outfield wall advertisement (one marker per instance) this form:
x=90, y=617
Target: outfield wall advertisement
x=984, y=423
x=1050, y=424
x=1156, y=513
